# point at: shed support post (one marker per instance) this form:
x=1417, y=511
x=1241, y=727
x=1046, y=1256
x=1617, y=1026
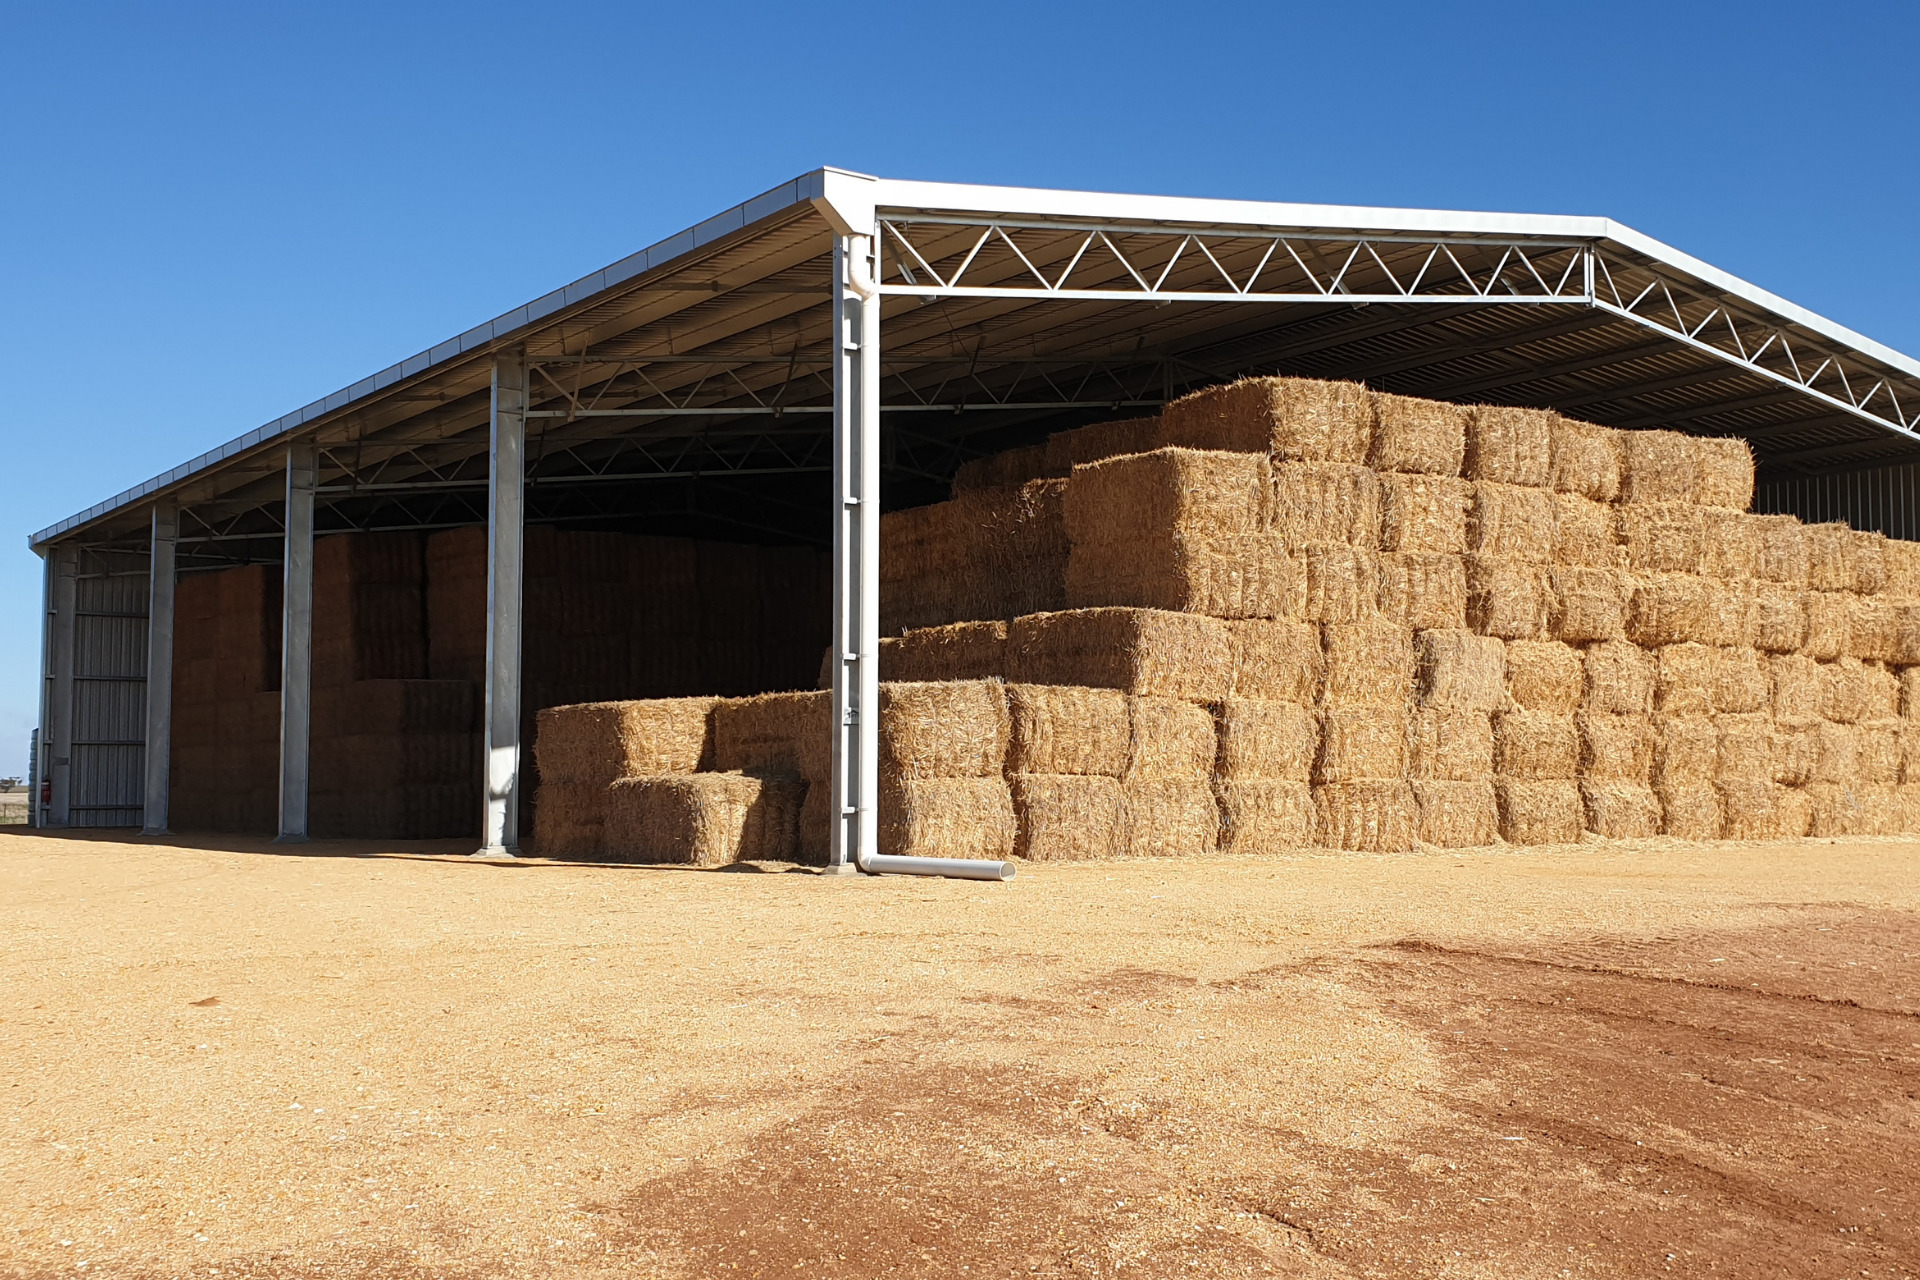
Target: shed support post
x=296, y=643
x=506, y=544
x=854, y=817
x=63, y=565
x=166, y=531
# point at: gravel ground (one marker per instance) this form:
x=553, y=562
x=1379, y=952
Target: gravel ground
x=357, y=1060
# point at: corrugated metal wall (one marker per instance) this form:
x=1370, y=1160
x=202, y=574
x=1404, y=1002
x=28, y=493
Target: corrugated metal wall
x=109, y=691
x=1882, y=499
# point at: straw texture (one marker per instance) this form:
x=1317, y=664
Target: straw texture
x=1584, y=533
x=1342, y=583
x=1690, y=811
x=1725, y=470
x=1507, y=597
x=1264, y=816
x=1002, y=470
x=1455, y=815
x=1424, y=436
x=703, y=819
x=1447, y=745
x=1782, y=555
x=1369, y=663
x=1424, y=513
x=1325, y=502
x=1776, y=617
x=947, y=818
x=1545, y=675
x=1830, y=557
x=1512, y=521
x=1870, y=629
x=1170, y=493
x=957, y=651
x=1539, y=812
x=1170, y=817
x=1262, y=740
x=1370, y=817
x=1361, y=744
x=1169, y=739
x=568, y=818
x=1065, y=729
x=1741, y=680
x=1620, y=810
x=1277, y=660
x=948, y=729
x=1066, y=450
x=1510, y=446
x=1584, y=459
x=1685, y=750
x=1615, y=748
x=1293, y=419
x=1586, y=604
x=1140, y=651
x=594, y=743
x=1658, y=466
x=1684, y=683
x=1620, y=677
x=1063, y=817
x=1729, y=544
x=1744, y=748
x=1660, y=537
x=1667, y=608
x=1423, y=589
x=1535, y=746
x=1797, y=687
x=1460, y=670
x=773, y=733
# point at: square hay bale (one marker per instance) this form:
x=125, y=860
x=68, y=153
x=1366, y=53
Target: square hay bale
x=1325, y=502
x=1535, y=746
x=1798, y=685
x=1510, y=446
x=1424, y=513
x=1776, y=617
x=1540, y=812
x=1660, y=537
x=1901, y=563
x=1724, y=616
x=1342, y=582
x=773, y=733
x=1846, y=691
x=1869, y=562
x=1243, y=576
x=1277, y=660
x=1854, y=809
x=1905, y=633
x=1683, y=684
x=1584, y=459
x=1141, y=651
x=1169, y=738
x=1877, y=751
x=1507, y=597
x=1293, y=419
x=1066, y=450
x=1829, y=624
x=1184, y=494
x=1744, y=747
x=1909, y=704
x=1259, y=740
x=947, y=818
x=1724, y=466
x=1796, y=752
x=1870, y=628
x=1460, y=670
x=1369, y=663
x=1615, y=748
x=1667, y=608
x=1066, y=729
x=1361, y=744
x=704, y=819
x=943, y=729
x=1545, y=675
x=1511, y=520
x=1685, y=750
x=1370, y=817
x=1584, y=533
x=1264, y=815
x=1062, y=817
x=1423, y=589
x=1586, y=604
x=1658, y=466
x=1756, y=809
x=1170, y=817
x=1835, y=752
x=1424, y=436
x=1002, y=470
x=1690, y=811
x=568, y=818
x=1620, y=810
x=1448, y=745
x=1782, y=554
x=957, y=651
x=596, y=742
x=1455, y=815
x=1729, y=544
x=1830, y=557
x=1741, y=680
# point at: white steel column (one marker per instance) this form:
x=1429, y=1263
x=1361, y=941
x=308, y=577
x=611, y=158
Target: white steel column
x=166, y=530
x=856, y=556
x=296, y=643
x=506, y=517
x=57, y=736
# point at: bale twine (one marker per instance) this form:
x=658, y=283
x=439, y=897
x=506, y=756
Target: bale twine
x=1511, y=520
x=1139, y=651
x=1724, y=465
x=1830, y=557
x=1615, y=748
x=1361, y=744
x=1424, y=513
x=1455, y=815
x=704, y=819
x=1263, y=740
x=1729, y=544
x=1424, y=436
x=1542, y=812
x=1370, y=817
x=1170, y=817
x=1264, y=815
x=1459, y=670
x=1658, y=466
x=1683, y=681
x=1584, y=459
x=1870, y=629
x=1776, y=617
x=1169, y=738
x=1342, y=583
x=1545, y=675
x=1449, y=745
x=1782, y=554
x=943, y=729
x=1620, y=677
x=1293, y=419
x=1535, y=746
x=1066, y=450
x=1667, y=608
x=1507, y=597
x=1797, y=687
x=1829, y=619
x=957, y=651
x=1586, y=604
x=1690, y=811
x=1423, y=589
x=1325, y=502
x=1065, y=729
x=1063, y=817
x=947, y=818
x=1002, y=470
x=1584, y=533
x=1660, y=537
x=568, y=818
x=1369, y=663
x=596, y=742
x=1278, y=660
x=1510, y=446
x=1620, y=810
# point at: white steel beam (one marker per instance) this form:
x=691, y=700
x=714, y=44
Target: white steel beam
x=854, y=814
x=57, y=741
x=296, y=643
x=166, y=532
x=506, y=518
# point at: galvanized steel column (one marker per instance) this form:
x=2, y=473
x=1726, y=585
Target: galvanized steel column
x=856, y=556
x=506, y=518
x=63, y=563
x=296, y=643
x=166, y=531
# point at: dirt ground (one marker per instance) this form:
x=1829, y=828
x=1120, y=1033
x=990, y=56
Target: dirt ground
x=1609, y=1060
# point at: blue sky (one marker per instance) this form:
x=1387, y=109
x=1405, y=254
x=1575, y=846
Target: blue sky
x=213, y=214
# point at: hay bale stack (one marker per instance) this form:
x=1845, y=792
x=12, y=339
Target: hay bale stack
x=1449, y=745
x=1550, y=812
x=1830, y=557
x=957, y=651
x=1455, y=815
x=773, y=733
x=1278, y=660
x=1513, y=521
x=1138, y=651
x=1683, y=680
x=1292, y=419
x=1620, y=677
x=1583, y=460
x=1507, y=597
x=1535, y=746
x=1782, y=554
x=1660, y=537
x=1264, y=741
x=1264, y=815
x=1062, y=817
x=1459, y=670
x=1616, y=748
x=1006, y=469
x=1369, y=663
x=1776, y=617
x=1424, y=513
x=1667, y=608
x=1585, y=604
x=1729, y=544
x=1510, y=446
x=568, y=818
x=1066, y=450
x=1315, y=502
x=1724, y=467
x=1370, y=817
x=1423, y=589
x=1829, y=617
x=1063, y=729
x=1169, y=739
x=947, y=817
x=703, y=819
x=1361, y=744
x=945, y=729
x=1658, y=466
x=1620, y=810
x=1427, y=437
x=1584, y=533
x=594, y=743
x=1545, y=675
x=1170, y=817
